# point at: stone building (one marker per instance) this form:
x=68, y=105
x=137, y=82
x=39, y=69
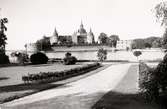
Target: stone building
x=82, y=37
x=78, y=37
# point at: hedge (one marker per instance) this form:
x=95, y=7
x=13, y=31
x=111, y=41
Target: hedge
x=148, y=82
x=45, y=77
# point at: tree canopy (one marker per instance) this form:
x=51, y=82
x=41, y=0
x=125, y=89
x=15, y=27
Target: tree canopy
x=161, y=15
x=102, y=54
x=149, y=42
x=43, y=44
x=103, y=38
x=3, y=37
x=161, y=12
x=113, y=40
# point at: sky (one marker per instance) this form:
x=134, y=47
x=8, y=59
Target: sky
x=30, y=20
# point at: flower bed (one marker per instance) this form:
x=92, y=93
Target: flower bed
x=45, y=77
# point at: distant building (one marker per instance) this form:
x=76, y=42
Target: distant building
x=78, y=37
x=31, y=47
x=54, y=38
x=124, y=44
x=82, y=37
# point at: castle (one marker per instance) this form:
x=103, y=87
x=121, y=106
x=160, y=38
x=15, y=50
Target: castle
x=78, y=37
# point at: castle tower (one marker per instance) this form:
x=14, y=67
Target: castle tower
x=81, y=30
x=75, y=38
x=54, y=38
x=90, y=37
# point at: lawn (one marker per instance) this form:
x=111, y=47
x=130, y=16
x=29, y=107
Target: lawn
x=125, y=95
x=12, y=87
x=13, y=75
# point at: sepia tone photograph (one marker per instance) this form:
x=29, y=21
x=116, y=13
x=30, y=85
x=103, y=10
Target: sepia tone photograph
x=83, y=54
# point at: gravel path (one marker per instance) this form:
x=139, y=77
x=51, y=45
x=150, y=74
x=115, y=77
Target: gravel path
x=81, y=94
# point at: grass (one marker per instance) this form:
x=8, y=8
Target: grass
x=13, y=75
x=125, y=95
x=116, y=100
x=11, y=92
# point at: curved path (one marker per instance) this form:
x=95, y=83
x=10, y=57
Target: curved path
x=81, y=94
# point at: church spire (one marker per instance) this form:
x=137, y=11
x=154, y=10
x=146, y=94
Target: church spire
x=81, y=26
x=90, y=30
x=55, y=32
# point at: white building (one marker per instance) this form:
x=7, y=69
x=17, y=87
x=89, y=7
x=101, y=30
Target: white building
x=124, y=44
x=54, y=38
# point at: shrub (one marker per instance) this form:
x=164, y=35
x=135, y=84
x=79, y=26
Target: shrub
x=21, y=57
x=102, y=54
x=148, y=82
x=137, y=53
x=38, y=58
x=161, y=73
x=43, y=77
x=4, y=59
x=69, y=60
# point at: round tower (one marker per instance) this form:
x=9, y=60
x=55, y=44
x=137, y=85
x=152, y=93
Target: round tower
x=90, y=37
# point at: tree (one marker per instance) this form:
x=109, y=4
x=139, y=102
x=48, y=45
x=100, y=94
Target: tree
x=102, y=54
x=161, y=15
x=3, y=37
x=147, y=45
x=4, y=59
x=103, y=38
x=138, y=44
x=43, y=44
x=157, y=43
x=164, y=40
x=39, y=58
x=137, y=53
x=114, y=39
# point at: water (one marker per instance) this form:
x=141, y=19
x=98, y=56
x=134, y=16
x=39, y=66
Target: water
x=119, y=55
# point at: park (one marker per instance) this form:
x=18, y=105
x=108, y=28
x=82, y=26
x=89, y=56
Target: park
x=83, y=70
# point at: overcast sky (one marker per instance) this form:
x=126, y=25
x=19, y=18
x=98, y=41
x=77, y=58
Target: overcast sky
x=29, y=20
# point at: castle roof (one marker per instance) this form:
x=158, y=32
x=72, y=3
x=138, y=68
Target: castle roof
x=82, y=30
x=55, y=33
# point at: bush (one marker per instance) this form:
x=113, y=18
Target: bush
x=21, y=57
x=148, y=82
x=137, y=53
x=44, y=77
x=4, y=59
x=102, y=54
x=153, y=81
x=161, y=73
x=38, y=58
x=69, y=60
